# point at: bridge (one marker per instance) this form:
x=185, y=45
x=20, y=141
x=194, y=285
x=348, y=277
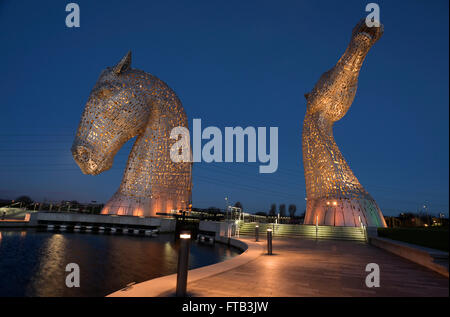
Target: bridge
x=304, y=231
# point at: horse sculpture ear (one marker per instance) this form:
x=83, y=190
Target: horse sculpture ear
x=124, y=64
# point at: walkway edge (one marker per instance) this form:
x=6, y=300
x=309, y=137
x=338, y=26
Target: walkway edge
x=417, y=254
x=161, y=286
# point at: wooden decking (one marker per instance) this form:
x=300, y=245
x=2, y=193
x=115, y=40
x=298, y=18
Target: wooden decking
x=305, y=267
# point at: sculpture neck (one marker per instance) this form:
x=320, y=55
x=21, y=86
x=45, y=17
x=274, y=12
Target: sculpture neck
x=354, y=55
x=323, y=124
x=144, y=158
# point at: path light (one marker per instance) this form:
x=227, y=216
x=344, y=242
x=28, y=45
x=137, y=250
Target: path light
x=269, y=241
x=183, y=263
x=317, y=224
x=256, y=233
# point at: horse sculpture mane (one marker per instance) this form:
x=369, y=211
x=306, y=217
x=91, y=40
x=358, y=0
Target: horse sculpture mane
x=334, y=194
x=125, y=103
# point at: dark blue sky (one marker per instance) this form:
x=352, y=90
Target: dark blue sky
x=232, y=63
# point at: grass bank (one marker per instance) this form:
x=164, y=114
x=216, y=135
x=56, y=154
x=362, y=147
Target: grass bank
x=431, y=237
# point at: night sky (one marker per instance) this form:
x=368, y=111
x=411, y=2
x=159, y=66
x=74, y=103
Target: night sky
x=232, y=63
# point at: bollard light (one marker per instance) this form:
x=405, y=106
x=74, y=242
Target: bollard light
x=269, y=241
x=185, y=236
x=256, y=233
x=183, y=264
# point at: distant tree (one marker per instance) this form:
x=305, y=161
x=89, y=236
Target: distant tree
x=273, y=210
x=292, y=210
x=261, y=213
x=239, y=205
x=213, y=210
x=282, y=209
x=408, y=219
x=97, y=208
x=24, y=199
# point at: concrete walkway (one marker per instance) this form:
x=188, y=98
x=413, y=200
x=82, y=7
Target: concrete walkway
x=303, y=267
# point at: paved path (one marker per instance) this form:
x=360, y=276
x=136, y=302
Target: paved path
x=301, y=267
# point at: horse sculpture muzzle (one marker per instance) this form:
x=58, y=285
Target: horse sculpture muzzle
x=87, y=160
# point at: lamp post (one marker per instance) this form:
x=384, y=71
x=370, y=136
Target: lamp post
x=269, y=241
x=226, y=207
x=334, y=211
x=317, y=225
x=256, y=233
x=183, y=264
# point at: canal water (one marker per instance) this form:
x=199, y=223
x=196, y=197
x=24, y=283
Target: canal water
x=33, y=263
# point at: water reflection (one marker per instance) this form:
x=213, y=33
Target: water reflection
x=33, y=263
x=51, y=262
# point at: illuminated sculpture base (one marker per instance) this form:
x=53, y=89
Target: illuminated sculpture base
x=141, y=206
x=344, y=212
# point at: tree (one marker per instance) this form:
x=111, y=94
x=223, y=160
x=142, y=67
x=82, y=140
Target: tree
x=25, y=200
x=239, y=205
x=74, y=204
x=282, y=209
x=261, y=213
x=273, y=210
x=213, y=210
x=292, y=210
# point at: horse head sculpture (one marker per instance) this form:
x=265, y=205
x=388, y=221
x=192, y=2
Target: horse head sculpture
x=123, y=104
x=334, y=194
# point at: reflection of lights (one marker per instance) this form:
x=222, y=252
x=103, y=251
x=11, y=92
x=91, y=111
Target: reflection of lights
x=270, y=263
x=334, y=203
x=328, y=203
x=51, y=264
x=168, y=252
x=23, y=234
